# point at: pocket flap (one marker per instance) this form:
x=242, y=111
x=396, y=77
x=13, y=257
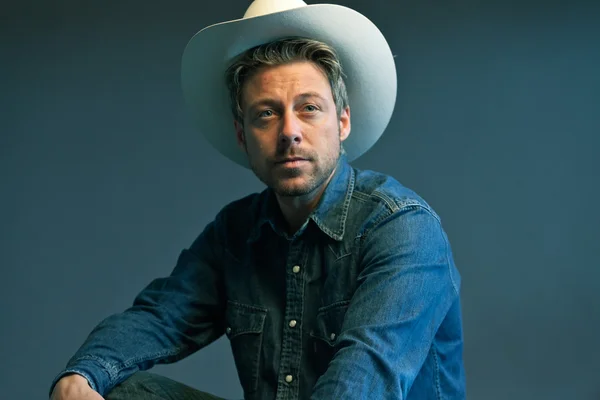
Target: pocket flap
x=329, y=322
x=244, y=318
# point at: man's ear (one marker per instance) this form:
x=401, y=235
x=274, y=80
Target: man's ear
x=239, y=135
x=345, y=123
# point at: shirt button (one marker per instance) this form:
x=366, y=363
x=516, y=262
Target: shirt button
x=228, y=330
x=289, y=379
x=296, y=269
x=332, y=336
x=292, y=323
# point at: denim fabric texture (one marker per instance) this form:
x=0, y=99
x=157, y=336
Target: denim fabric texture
x=361, y=303
x=144, y=385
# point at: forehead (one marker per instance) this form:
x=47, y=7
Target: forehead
x=286, y=80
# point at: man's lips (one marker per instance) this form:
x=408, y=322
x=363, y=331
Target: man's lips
x=290, y=160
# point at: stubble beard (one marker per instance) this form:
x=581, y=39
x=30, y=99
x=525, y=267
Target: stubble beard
x=313, y=181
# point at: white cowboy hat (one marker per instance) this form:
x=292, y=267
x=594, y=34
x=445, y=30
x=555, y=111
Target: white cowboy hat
x=364, y=53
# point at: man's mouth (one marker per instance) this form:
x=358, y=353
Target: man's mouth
x=291, y=161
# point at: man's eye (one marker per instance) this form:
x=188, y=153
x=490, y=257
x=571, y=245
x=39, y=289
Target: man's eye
x=266, y=114
x=311, y=108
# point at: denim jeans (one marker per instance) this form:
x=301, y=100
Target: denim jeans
x=149, y=386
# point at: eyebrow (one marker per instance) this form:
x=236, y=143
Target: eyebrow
x=311, y=94
x=268, y=101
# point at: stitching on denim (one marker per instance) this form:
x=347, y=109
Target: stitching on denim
x=256, y=372
x=253, y=321
x=347, y=199
x=343, y=256
x=338, y=257
x=301, y=310
x=437, y=372
x=361, y=196
x=391, y=204
x=337, y=304
x=250, y=307
x=367, y=232
x=383, y=216
x=341, y=222
x=158, y=356
x=256, y=312
x=403, y=203
x=112, y=370
x=325, y=311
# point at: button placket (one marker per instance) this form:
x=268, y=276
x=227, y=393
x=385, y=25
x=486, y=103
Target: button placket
x=291, y=346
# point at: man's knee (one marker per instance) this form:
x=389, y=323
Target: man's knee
x=141, y=385
x=145, y=385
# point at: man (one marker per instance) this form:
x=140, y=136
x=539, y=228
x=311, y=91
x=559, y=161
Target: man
x=332, y=283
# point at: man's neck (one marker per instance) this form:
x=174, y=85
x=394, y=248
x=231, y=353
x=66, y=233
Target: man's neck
x=296, y=209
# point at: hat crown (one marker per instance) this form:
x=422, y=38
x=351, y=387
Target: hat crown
x=264, y=7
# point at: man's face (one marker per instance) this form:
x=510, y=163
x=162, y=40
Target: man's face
x=292, y=133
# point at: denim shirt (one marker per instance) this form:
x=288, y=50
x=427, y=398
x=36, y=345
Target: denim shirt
x=361, y=303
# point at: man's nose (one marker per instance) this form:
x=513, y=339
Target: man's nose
x=291, y=131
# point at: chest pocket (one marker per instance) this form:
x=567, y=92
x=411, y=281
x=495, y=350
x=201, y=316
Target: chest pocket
x=324, y=335
x=245, y=325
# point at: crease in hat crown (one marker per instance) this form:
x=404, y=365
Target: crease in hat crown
x=264, y=7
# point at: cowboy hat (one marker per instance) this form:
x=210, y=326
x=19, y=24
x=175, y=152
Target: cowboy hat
x=364, y=53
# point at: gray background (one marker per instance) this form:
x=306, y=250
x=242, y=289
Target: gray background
x=104, y=181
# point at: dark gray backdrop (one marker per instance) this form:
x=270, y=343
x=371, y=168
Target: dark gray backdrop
x=104, y=181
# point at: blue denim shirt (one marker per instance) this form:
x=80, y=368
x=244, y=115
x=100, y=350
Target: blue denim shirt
x=361, y=303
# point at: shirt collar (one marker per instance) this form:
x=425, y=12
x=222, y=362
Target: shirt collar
x=329, y=215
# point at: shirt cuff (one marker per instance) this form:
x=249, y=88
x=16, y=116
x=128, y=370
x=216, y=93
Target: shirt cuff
x=97, y=377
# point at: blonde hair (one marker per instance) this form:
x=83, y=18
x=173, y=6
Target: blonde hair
x=280, y=52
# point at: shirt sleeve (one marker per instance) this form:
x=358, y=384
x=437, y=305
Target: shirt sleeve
x=171, y=318
x=407, y=285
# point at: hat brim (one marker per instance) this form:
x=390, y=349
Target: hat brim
x=364, y=53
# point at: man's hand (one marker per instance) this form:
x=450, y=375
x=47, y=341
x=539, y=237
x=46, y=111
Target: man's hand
x=74, y=387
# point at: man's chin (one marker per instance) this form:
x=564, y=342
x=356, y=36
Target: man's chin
x=285, y=188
